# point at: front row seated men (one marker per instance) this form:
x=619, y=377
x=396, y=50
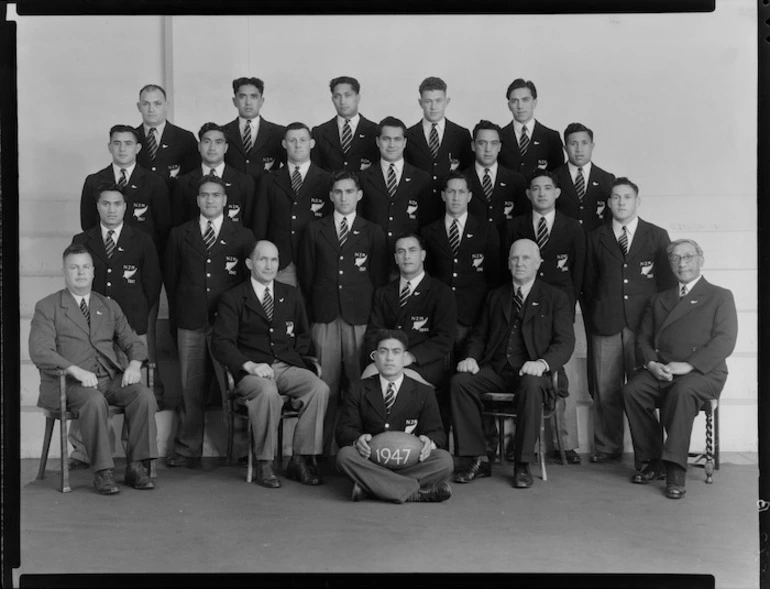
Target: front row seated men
x=370, y=410
x=686, y=334
x=524, y=333
x=75, y=330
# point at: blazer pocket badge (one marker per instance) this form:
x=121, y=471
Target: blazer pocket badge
x=268, y=162
x=410, y=426
x=290, y=328
x=536, y=143
x=316, y=206
x=508, y=209
x=173, y=169
x=420, y=324
x=561, y=262
x=359, y=259
x=139, y=210
x=647, y=268
x=411, y=209
x=230, y=265
x=541, y=164
x=365, y=163
x=128, y=273
x=120, y=249
x=407, y=179
x=453, y=164
x=600, y=208
x=594, y=183
x=98, y=312
x=478, y=262
x=233, y=211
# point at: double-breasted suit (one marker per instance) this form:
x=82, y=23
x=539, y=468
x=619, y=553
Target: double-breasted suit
x=328, y=154
x=239, y=188
x=592, y=210
x=177, y=153
x=544, y=152
x=266, y=152
x=509, y=196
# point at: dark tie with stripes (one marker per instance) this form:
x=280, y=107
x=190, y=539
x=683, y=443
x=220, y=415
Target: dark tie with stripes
x=683, y=292
x=523, y=142
x=86, y=312
x=109, y=243
x=152, y=144
x=268, y=304
x=390, y=397
x=392, y=182
x=213, y=172
x=518, y=302
x=344, y=231
x=580, y=184
x=542, y=233
x=209, y=237
x=248, y=141
x=123, y=178
x=623, y=241
x=347, y=136
x=404, y=296
x=433, y=143
x=454, y=237
x=296, y=180
x=486, y=184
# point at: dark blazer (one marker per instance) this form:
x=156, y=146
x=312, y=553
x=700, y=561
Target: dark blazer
x=617, y=290
x=454, y=153
x=545, y=150
x=131, y=276
x=60, y=337
x=339, y=282
x=197, y=278
x=177, y=153
x=473, y=272
x=242, y=331
x=429, y=320
x=266, y=152
x=363, y=412
x=564, y=255
x=240, y=197
x=593, y=210
x=546, y=325
x=509, y=197
x=400, y=214
x=328, y=153
x=700, y=328
x=281, y=216
x=148, y=205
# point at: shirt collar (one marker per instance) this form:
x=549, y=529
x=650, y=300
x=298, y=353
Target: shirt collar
x=220, y=169
x=461, y=220
x=259, y=288
x=412, y=283
x=159, y=131
x=691, y=284
x=440, y=125
x=217, y=222
x=129, y=171
x=630, y=226
x=303, y=168
x=530, y=125
x=573, y=171
x=549, y=217
x=353, y=122
x=399, y=165
x=492, y=171
x=115, y=235
x=525, y=288
x=78, y=298
x=384, y=382
x=254, y=122
x=338, y=219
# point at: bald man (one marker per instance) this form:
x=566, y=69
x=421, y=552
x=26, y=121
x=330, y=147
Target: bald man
x=524, y=333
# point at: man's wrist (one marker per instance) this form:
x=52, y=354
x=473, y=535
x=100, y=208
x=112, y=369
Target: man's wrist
x=547, y=367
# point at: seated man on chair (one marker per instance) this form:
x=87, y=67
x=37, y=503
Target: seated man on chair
x=686, y=334
x=75, y=330
x=261, y=334
x=391, y=401
x=525, y=331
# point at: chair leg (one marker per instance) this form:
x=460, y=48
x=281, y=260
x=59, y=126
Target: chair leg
x=556, y=422
x=230, y=436
x=250, y=464
x=65, y=469
x=716, y=437
x=540, y=447
x=279, y=449
x=501, y=438
x=49, y=423
x=709, y=468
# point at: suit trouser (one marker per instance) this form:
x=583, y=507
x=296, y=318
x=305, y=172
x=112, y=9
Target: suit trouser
x=613, y=358
x=194, y=345
x=338, y=347
x=394, y=485
x=263, y=401
x=680, y=401
x=465, y=393
x=152, y=343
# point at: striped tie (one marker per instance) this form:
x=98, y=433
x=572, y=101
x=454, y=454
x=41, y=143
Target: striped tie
x=209, y=237
x=454, y=237
x=248, y=142
x=109, y=243
x=296, y=180
x=86, y=312
x=433, y=143
x=152, y=144
x=404, y=296
x=580, y=184
x=123, y=179
x=486, y=184
x=347, y=136
x=268, y=304
x=392, y=181
x=523, y=142
x=683, y=292
x=213, y=172
x=390, y=397
x=344, y=231
x=623, y=241
x=518, y=302
x=542, y=233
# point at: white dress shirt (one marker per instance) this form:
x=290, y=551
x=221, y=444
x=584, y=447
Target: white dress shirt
x=203, y=223
x=517, y=127
x=220, y=169
x=353, y=125
x=480, y=171
x=573, y=172
x=461, y=221
x=384, y=382
x=549, y=218
x=440, y=126
x=631, y=226
x=116, y=232
x=129, y=171
x=397, y=166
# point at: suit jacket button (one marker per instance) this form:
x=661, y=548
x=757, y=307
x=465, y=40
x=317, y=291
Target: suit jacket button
x=270, y=330
x=398, y=327
x=154, y=169
x=387, y=426
x=294, y=216
x=390, y=234
x=109, y=284
x=208, y=261
x=340, y=271
x=109, y=270
x=625, y=297
x=435, y=177
x=453, y=288
x=208, y=275
x=248, y=162
x=454, y=274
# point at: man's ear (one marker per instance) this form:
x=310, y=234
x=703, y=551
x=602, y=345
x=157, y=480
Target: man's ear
x=372, y=355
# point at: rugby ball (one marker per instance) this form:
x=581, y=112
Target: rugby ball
x=395, y=450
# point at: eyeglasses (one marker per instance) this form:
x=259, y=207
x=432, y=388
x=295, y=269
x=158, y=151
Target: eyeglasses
x=687, y=258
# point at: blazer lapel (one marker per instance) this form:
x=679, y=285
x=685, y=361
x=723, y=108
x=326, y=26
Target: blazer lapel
x=195, y=238
x=374, y=397
x=261, y=137
x=506, y=294
x=225, y=234
x=532, y=304
x=607, y=239
x=97, y=311
x=95, y=243
x=332, y=134
x=251, y=301
x=284, y=182
x=72, y=310
x=639, y=238
x=329, y=231
x=418, y=139
x=681, y=306
x=402, y=398
x=126, y=234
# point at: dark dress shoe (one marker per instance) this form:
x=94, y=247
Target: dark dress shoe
x=300, y=470
x=675, y=491
x=265, y=475
x=522, y=479
x=477, y=469
x=603, y=457
x=104, y=483
x=358, y=493
x=652, y=471
x=75, y=464
x=434, y=494
x=176, y=460
x=571, y=456
x=675, y=480
x=138, y=477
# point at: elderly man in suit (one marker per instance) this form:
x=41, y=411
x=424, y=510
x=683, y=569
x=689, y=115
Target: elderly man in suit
x=525, y=332
x=75, y=330
x=686, y=334
x=261, y=334
x=347, y=141
x=391, y=401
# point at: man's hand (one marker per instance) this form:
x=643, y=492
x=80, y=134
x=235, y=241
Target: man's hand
x=679, y=368
x=659, y=371
x=84, y=377
x=262, y=369
x=133, y=374
x=409, y=358
x=468, y=365
x=427, y=446
x=362, y=445
x=533, y=368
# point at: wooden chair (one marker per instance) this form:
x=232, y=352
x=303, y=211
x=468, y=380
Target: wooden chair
x=52, y=415
x=710, y=456
x=502, y=406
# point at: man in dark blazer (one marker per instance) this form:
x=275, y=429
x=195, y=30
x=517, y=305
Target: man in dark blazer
x=395, y=192
x=347, y=141
x=499, y=193
x=686, y=335
x=75, y=330
x=255, y=144
x=391, y=401
x=626, y=264
x=261, y=334
x=167, y=150
x=205, y=258
x=525, y=331
x=291, y=197
x=240, y=187
x=342, y=260
x=563, y=252
x=527, y=144
x=436, y=144
x=585, y=187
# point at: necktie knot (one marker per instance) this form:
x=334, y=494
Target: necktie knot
x=213, y=171
x=123, y=177
x=683, y=290
x=85, y=311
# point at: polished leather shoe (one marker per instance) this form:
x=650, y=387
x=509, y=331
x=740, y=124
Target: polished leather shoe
x=434, y=494
x=478, y=468
x=358, y=493
x=265, y=475
x=299, y=469
x=176, y=460
x=652, y=471
x=675, y=491
x=571, y=456
x=138, y=477
x=104, y=483
x=603, y=457
x=522, y=479
x=75, y=464
x=675, y=480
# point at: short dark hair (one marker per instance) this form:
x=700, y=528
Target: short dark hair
x=206, y=127
x=124, y=129
x=540, y=172
x=382, y=334
x=454, y=175
x=109, y=187
x=484, y=125
x=147, y=87
x=390, y=122
x=346, y=175
x=521, y=83
x=345, y=80
x=408, y=235
x=212, y=179
x=577, y=128
x=243, y=81
x=432, y=83
x=295, y=126
x=623, y=181
x=74, y=249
